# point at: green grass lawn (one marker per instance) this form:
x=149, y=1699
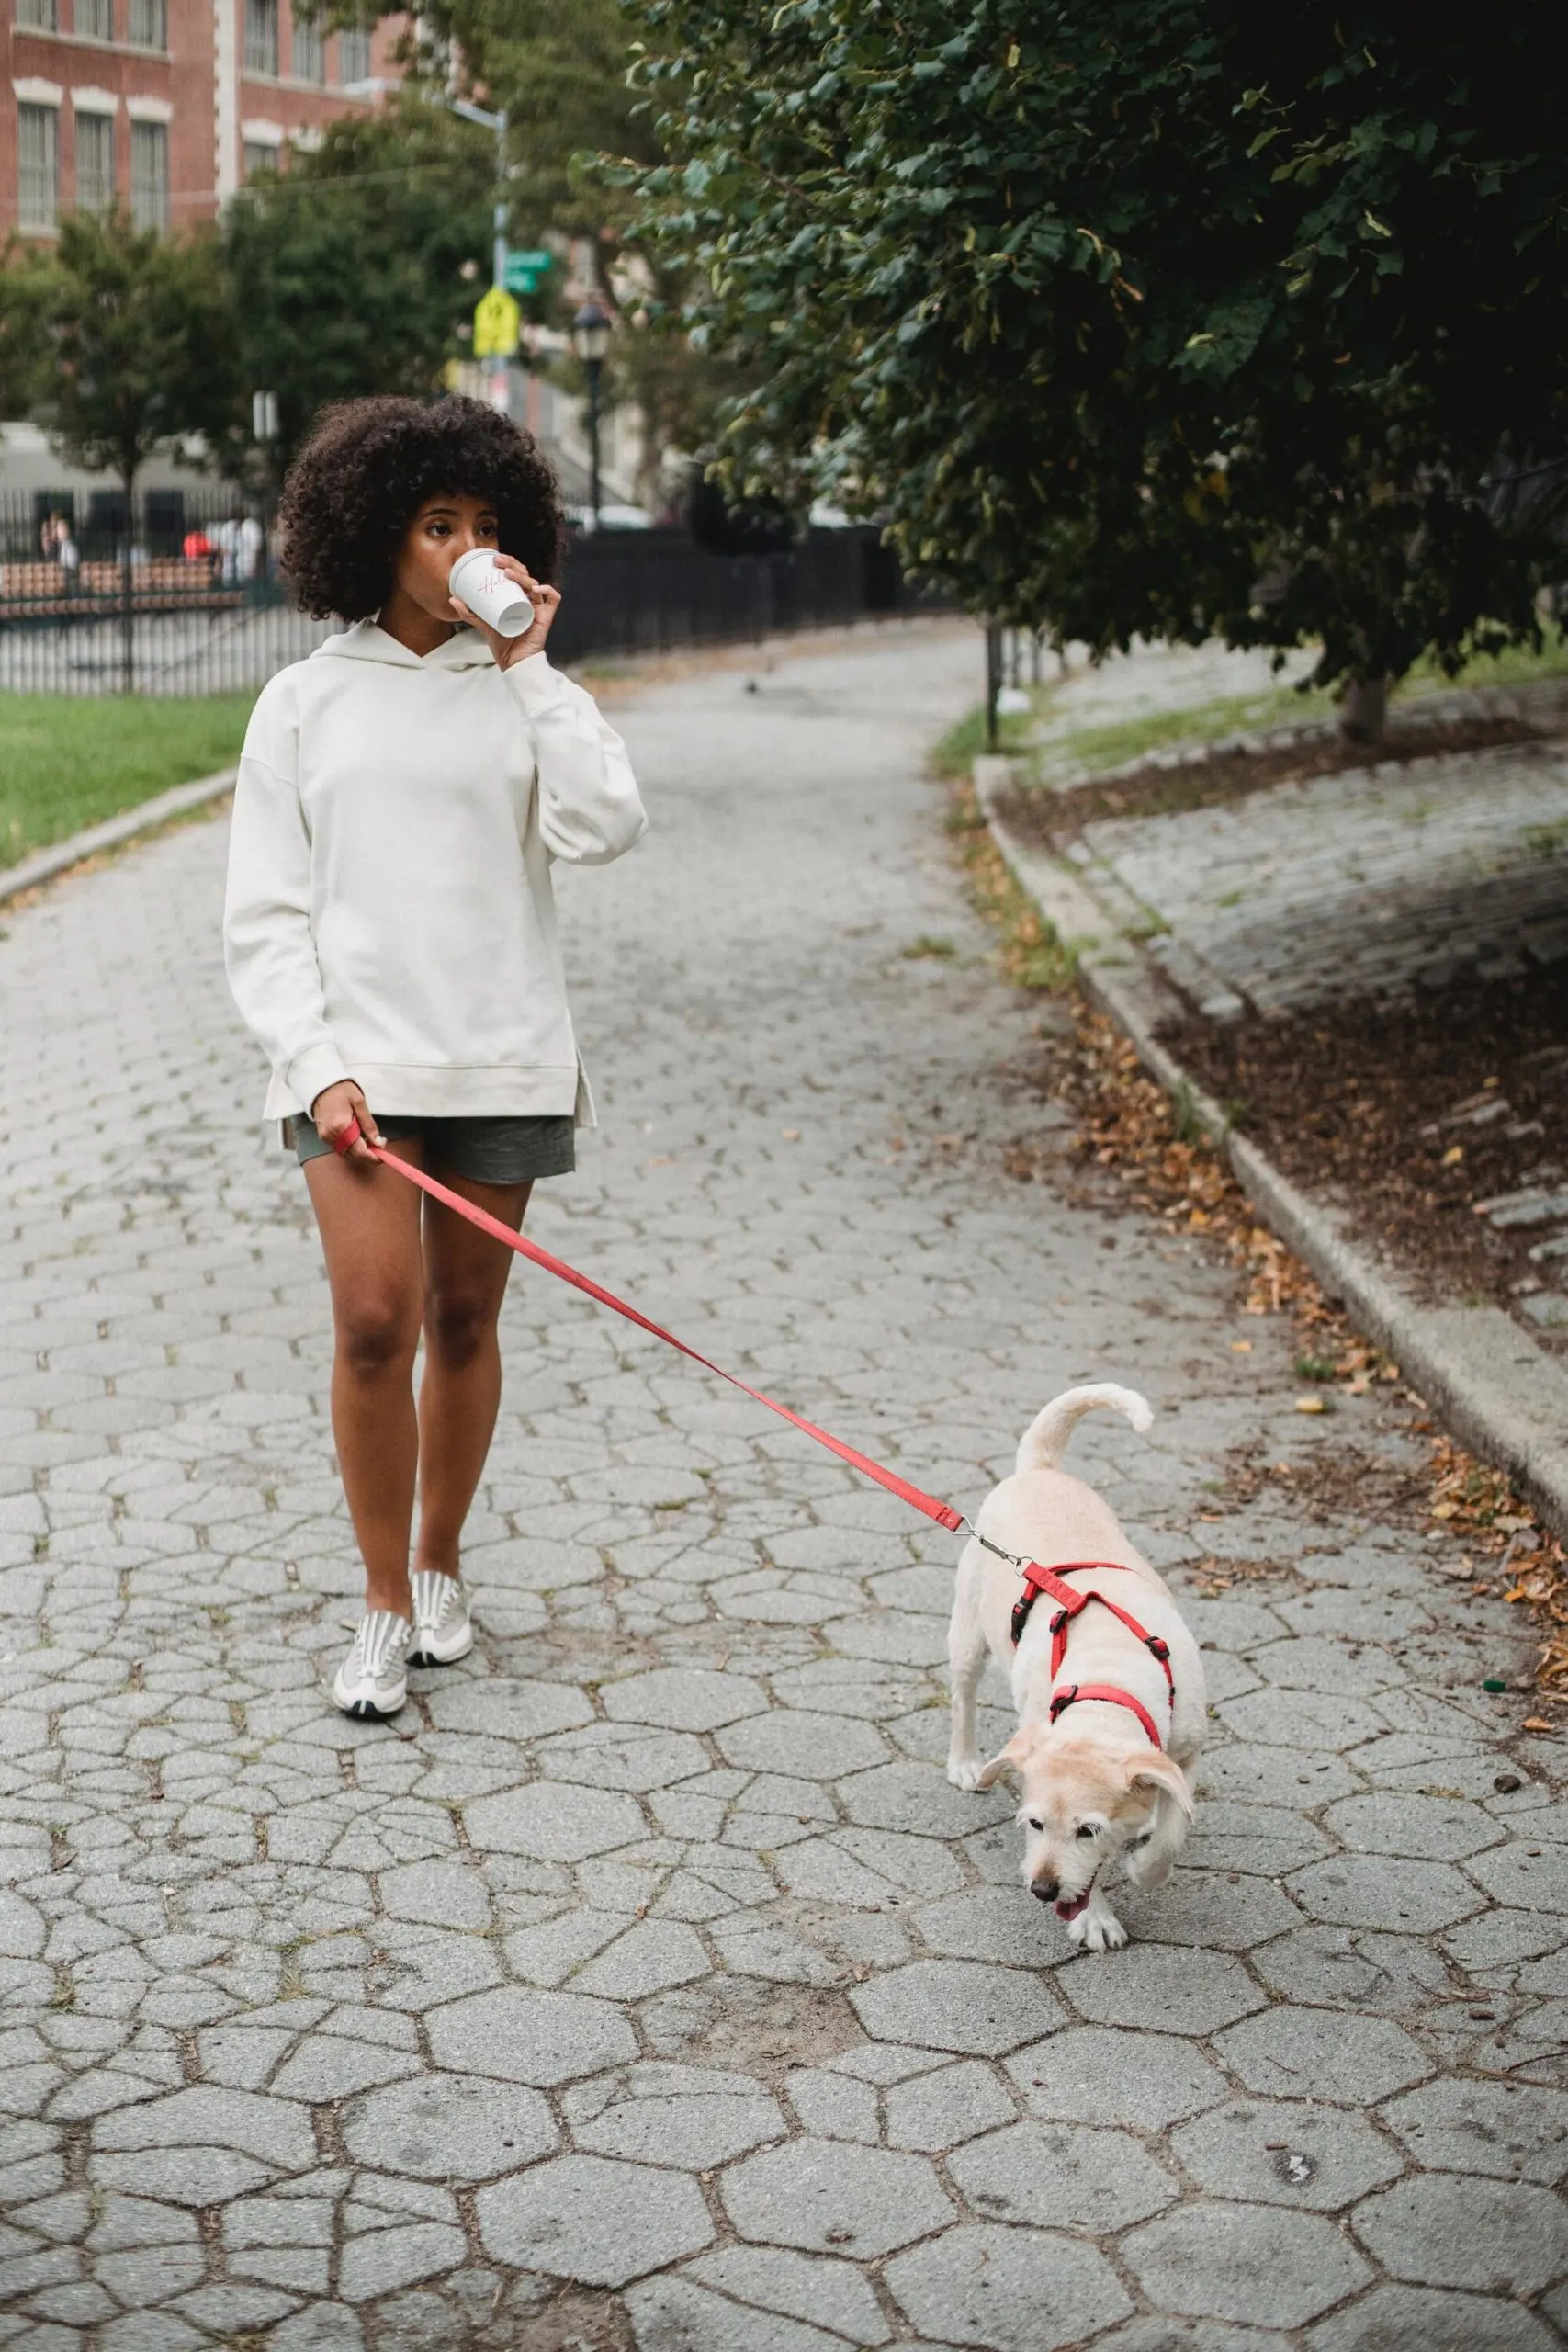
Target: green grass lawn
x=1107, y=744
x=66, y=762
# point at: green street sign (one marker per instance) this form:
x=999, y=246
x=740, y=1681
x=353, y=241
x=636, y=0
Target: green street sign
x=525, y=266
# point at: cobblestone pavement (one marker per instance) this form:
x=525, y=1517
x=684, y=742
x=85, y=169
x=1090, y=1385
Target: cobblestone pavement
x=647, y=1984
x=1360, y=883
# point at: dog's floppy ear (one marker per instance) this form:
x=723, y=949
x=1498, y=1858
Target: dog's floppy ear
x=1160, y=1771
x=1007, y=1760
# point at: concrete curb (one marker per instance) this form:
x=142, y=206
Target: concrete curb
x=45, y=864
x=1496, y=1389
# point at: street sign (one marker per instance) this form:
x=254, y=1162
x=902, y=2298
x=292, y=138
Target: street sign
x=497, y=322
x=525, y=266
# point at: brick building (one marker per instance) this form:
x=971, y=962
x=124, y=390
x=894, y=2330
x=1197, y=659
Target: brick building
x=168, y=105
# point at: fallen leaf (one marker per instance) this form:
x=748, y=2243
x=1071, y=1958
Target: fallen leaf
x=1453, y=1157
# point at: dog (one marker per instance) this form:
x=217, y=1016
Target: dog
x=1104, y=1776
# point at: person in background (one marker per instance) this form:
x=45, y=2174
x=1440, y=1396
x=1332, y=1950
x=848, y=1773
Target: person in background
x=67, y=555
x=239, y=541
x=248, y=549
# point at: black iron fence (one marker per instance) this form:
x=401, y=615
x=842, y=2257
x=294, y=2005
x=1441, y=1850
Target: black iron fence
x=181, y=596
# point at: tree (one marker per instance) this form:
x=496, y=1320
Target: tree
x=560, y=69
x=354, y=270
x=137, y=350
x=23, y=279
x=1144, y=316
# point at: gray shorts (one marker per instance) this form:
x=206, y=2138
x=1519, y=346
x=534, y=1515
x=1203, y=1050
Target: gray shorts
x=485, y=1151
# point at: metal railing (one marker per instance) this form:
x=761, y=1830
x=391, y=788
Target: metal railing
x=178, y=605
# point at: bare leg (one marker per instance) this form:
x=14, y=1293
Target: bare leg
x=369, y=1224
x=464, y=1280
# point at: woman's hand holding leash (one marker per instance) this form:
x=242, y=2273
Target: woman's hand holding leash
x=345, y=1119
x=545, y=601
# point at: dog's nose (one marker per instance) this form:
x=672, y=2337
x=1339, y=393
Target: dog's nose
x=1044, y=1890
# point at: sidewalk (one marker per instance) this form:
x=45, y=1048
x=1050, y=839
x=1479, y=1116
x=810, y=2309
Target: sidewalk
x=646, y=1986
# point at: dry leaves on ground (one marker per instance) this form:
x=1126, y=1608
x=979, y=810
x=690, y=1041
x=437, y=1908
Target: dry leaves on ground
x=1129, y=1125
x=1476, y=1503
x=1031, y=954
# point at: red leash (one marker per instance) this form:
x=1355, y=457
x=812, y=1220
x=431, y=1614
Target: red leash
x=1037, y=1579
x=943, y=1513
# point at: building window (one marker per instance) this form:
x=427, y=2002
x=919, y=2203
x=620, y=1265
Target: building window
x=38, y=153
x=149, y=174
x=353, y=57
x=95, y=162
x=94, y=20
x=36, y=15
x=261, y=36
x=309, y=55
x=260, y=156
x=149, y=25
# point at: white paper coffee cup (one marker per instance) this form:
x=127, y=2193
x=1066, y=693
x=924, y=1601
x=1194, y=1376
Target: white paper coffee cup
x=489, y=593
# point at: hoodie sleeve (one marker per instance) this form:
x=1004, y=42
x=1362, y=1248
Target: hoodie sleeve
x=588, y=803
x=269, y=951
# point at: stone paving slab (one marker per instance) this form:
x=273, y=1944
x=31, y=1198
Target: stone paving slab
x=1362, y=884
x=646, y=1985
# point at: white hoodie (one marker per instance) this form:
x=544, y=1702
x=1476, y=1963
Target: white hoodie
x=390, y=915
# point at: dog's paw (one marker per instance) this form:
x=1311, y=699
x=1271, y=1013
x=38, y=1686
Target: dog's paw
x=964, y=1772
x=1097, y=1929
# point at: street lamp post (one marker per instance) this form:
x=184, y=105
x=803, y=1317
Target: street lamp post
x=591, y=340
x=497, y=122
x=487, y=120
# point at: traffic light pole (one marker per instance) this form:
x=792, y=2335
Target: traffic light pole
x=500, y=393
x=500, y=389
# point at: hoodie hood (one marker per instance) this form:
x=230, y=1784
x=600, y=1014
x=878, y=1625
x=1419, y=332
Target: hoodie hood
x=368, y=642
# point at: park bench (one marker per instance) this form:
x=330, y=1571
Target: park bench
x=38, y=591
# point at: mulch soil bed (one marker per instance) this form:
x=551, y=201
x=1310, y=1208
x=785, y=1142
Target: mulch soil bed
x=1406, y=1114
x=1049, y=818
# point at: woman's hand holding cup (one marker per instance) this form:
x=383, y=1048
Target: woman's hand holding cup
x=545, y=602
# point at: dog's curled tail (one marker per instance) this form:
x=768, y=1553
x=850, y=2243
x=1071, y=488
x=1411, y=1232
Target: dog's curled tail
x=1044, y=1441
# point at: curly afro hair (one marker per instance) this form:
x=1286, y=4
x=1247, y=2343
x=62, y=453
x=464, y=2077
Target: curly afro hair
x=367, y=469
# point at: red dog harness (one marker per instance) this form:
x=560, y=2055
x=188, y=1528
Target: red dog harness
x=1070, y=1601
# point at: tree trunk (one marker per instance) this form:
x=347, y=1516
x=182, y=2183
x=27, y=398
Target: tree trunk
x=1364, y=711
x=993, y=682
x=128, y=592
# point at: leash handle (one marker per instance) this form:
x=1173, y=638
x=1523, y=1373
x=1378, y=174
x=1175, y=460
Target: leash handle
x=916, y=1496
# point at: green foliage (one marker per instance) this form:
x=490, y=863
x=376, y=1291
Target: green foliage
x=23, y=282
x=1154, y=317
x=560, y=69
x=136, y=341
x=346, y=268
x=66, y=762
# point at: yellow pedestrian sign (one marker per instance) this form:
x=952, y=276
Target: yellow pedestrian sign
x=497, y=321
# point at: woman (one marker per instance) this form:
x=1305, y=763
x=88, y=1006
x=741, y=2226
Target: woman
x=390, y=936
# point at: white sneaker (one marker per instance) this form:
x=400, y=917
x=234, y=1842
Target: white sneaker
x=371, y=1680
x=442, y=1633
